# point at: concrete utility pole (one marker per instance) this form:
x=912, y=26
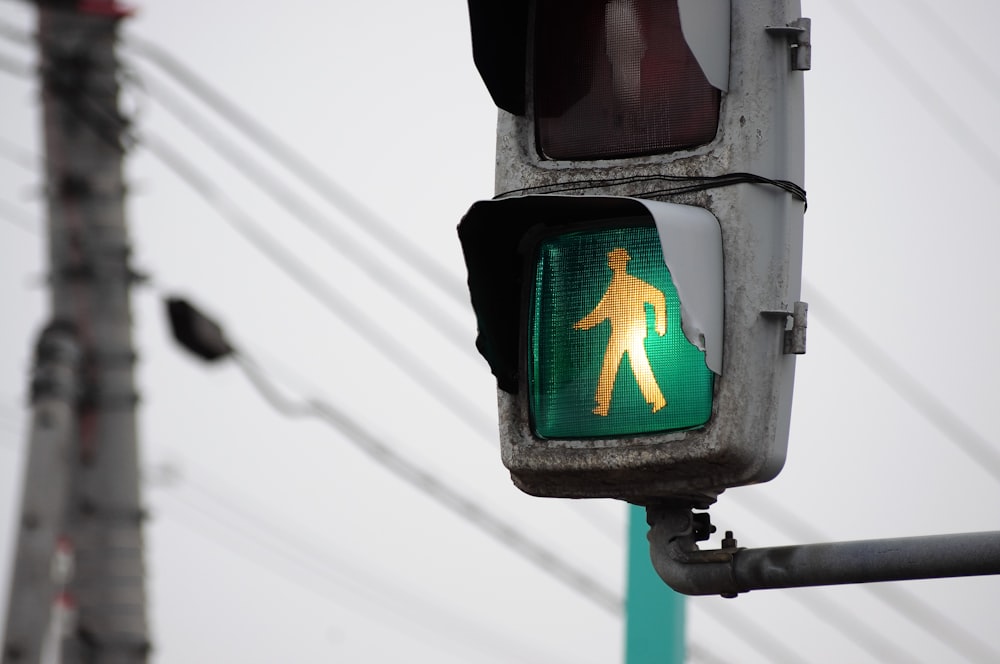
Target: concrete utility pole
x=81, y=516
x=35, y=592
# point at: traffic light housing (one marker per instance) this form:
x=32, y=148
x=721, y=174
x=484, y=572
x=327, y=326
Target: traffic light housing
x=636, y=279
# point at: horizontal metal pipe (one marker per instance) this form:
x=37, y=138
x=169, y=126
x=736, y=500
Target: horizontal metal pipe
x=866, y=561
x=730, y=570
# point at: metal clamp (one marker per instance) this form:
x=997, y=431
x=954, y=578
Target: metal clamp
x=799, y=36
x=795, y=337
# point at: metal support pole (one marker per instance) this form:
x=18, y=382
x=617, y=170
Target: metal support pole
x=90, y=279
x=36, y=581
x=731, y=570
x=654, y=615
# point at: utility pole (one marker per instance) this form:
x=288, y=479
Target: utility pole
x=98, y=522
x=35, y=597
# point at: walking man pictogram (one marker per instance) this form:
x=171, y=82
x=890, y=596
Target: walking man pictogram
x=623, y=303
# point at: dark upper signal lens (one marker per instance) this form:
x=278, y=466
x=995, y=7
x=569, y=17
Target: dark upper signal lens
x=616, y=78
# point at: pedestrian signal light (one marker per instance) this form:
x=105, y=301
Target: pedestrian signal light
x=607, y=355
x=636, y=279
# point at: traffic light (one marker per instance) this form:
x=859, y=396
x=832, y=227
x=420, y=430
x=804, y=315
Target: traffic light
x=636, y=279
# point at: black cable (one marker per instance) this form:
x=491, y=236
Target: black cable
x=355, y=211
x=686, y=185
x=427, y=483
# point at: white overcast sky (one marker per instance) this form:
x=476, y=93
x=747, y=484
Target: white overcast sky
x=264, y=545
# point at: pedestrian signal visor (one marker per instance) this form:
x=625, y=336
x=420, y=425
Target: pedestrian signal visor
x=601, y=318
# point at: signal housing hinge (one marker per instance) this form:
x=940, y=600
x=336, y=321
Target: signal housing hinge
x=799, y=36
x=795, y=336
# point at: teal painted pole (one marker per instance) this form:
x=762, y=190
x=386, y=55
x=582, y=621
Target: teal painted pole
x=654, y=614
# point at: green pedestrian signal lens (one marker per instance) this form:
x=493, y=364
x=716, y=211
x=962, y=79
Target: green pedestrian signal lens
x=606, y=353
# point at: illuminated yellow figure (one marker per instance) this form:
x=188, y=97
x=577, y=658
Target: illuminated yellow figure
x=624, y=305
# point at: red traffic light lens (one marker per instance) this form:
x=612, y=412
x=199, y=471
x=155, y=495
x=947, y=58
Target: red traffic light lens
x=616, y=78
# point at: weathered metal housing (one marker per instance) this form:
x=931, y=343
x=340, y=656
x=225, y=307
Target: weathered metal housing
x=760, y=133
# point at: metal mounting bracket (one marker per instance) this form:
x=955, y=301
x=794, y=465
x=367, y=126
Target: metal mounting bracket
x=731, y=570
x=795, y=337
x=799, y=36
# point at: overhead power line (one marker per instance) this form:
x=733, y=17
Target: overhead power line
x=430, y=485
x=18, y=218
x=315, y=286
x=926, y=618
x=903, y=383
x=368, y=261
x=350, y=314
x=901, y=66
x=302, y=553
x=771, y=646
x=19, y=156
x=757, y=637
x=353, y=209
x=14, y=67
x=957, y=44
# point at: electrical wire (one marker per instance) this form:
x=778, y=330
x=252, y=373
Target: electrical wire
x=906, y=386
x=19, y=156
x=353, y=210
x=18, y=218
x=314, y=285
x=404, y=290
x=501, y=531
x=315, y=221
x=759, y=639
x=926, y=618
x=14, y=34
x=455, y=501
x=697, y=654
x=684, y=184
x=868, y=639
x=308, y=555
x=14, y=67
x=965, y=136
x=957, y=44
x=350, y=314
x=858, y=631
x=426, y=483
